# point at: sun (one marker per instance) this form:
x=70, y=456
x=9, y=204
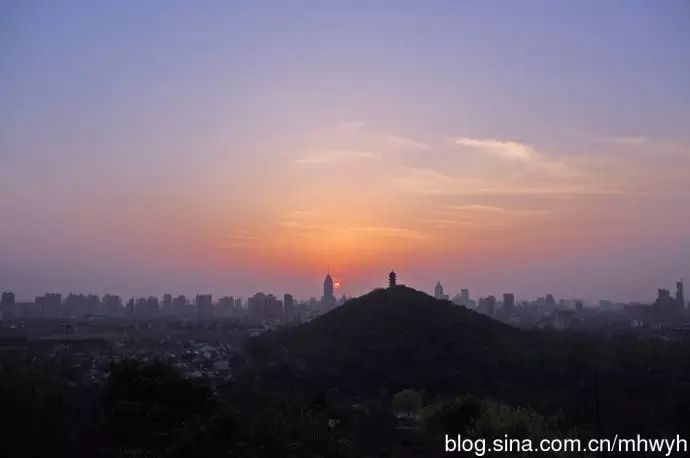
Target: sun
x=336, y=284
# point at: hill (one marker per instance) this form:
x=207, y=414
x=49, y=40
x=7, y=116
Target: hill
x=392, y=339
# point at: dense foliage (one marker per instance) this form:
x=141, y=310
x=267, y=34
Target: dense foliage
x=385, y=375
x=392, y=339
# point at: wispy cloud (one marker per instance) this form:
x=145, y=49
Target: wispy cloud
x=445, y=222
x=392, y=232
x=494, y=209
x=633, y=140
x=476, y=207
x=506, y=149
x=239, y=239
x=421, y=181
x=542, y=178
x=334, y=156
x=304, y=213
x=350, y=127
x=300, y=224
x=403, y=143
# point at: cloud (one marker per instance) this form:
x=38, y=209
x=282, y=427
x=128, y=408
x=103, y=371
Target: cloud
x=291, y=223
x=506, y=149
x=239, y=239
x=422, y=181
x=334, y=156
x=626, y=140
x=392, y=232
x=244, y=234
x=494, y=209
x=349, y=127
x=441, y=223
x=542, y=177
x=398, y=142
x=525, y=162
x=475, y=207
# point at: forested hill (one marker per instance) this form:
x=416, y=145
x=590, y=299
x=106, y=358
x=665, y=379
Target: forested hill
x=392, y=339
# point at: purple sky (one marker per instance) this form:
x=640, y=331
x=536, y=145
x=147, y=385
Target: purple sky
x=231, y=147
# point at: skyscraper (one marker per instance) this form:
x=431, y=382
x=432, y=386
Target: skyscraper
x=49, y=305
x=288, y=307
x=7, y=305
x=487, y=305
x=550, y=301
x=438, y=291
x=265, y=307
x=226, y=306
x=167, y=303
x=112, y=305
x=179, y=305
x=204, y=304
x=7, y=299
x=509, y=301
x=578, y=305
x=680, y=298
x=328, y=299
x=465, y=297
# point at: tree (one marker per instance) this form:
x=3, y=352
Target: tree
x=146, y=404
x=408, y=402
x=454, y=417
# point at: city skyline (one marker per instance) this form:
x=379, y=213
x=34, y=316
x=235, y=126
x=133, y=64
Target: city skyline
x=332, y=296
x=235, y=148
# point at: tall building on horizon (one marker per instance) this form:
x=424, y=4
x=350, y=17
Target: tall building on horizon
x=167, y=303
x=7, y=305
x=288, y=307
x=508, y=301
x=487, y=305
x=328, y=300
x=204, y=304
x=438, y=291
x=7, y=299
x=179, y=305
x=49, y=305
x=680, y=298
x=465, y=296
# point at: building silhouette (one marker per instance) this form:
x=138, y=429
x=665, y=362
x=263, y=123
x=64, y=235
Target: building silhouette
x=179, y=305
x=328, y=300
x=130, y=308
x=265, y=307
x=680, y=298
x=112, y=305
x=167, y=303
x=289, y=313
x=438, y=291
x=487, y=305
x=509, y=301
x=204, y=307
x=49, y=305
x=392, y=279
x=7, y=305
x=225, y=307
x=550, y=301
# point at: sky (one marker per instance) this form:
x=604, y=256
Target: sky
x=235, y=147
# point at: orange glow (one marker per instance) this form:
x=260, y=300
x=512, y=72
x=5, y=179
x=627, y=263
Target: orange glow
x=337, y=284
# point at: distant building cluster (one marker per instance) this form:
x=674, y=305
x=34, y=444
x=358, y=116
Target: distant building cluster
x=268, y=310
x=546, y=312
x=259, y=308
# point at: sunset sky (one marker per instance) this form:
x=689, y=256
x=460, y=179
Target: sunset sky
x=234, y=147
